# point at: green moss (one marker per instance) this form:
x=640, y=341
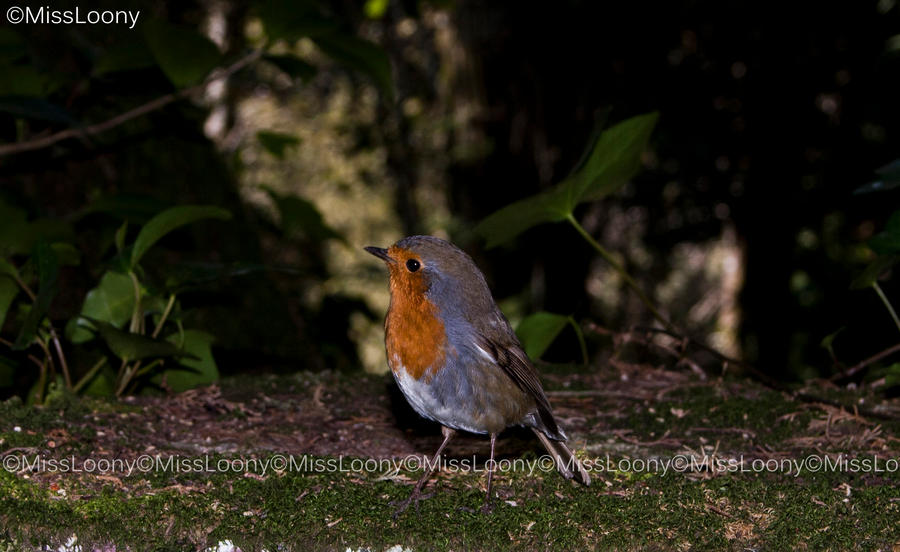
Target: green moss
x=303, y=510
x=310, y=509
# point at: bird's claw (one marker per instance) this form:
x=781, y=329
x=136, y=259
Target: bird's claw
x=415, y=498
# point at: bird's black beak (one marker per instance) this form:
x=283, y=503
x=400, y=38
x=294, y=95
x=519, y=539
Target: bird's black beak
x=380, y=253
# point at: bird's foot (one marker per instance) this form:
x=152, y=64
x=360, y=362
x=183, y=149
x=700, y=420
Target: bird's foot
x=402, y=505
x=487, y=507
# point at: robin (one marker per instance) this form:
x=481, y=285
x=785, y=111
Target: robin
x=455, y=357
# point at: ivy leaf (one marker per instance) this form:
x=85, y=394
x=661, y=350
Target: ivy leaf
x=198, y=370
x=538, y=331
x=189, y=276
x=301, y=219
x=111, y=301
x=184, y=55
x=510, y=221
x=131, y=346
x=614, y=158
x=169, y=220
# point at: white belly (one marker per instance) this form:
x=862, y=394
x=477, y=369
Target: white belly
x=421, y=397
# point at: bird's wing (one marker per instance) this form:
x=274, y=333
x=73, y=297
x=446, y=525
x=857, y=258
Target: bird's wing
x=508, y=355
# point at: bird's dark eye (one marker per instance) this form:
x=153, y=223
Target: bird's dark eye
x=413, y=265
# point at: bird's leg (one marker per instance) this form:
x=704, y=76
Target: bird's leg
x=487, y=507
x=429, y=469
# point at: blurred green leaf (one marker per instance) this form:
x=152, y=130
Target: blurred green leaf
x=887, y=242
x=131, y=346
x=135, y=208
x=48, y=272
x=362, y=55
x=537, y=331
x=187, y=276
x=101, y=385
x=375, y=9
x=892, y=375
x=510, y=221
x=827, y=342
x=184, y=55
x=125, y=56
x=276, y=142
x=201, y=370
x=169, y=220
x=295, y=67
x=9, y=289
x=111, y=301
x=614, y=158
x=293, y=19
x=872, y=272
x=301, y=219
x=121, y=234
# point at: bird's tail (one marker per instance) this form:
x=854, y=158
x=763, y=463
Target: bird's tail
x=566, y=463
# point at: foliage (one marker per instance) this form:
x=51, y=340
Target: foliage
x=139, y=324
x=37, y=89
x=612, y=159
x=538, y=330
x=124, y=110
x=886, y=248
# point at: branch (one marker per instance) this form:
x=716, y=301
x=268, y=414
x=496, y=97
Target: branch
x=864, y=363
x=152, y=105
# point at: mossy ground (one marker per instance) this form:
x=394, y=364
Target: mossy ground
x=321, y=419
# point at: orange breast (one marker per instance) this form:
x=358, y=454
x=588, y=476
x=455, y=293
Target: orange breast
x=414, y=334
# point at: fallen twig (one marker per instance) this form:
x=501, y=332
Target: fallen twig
x=853, y=370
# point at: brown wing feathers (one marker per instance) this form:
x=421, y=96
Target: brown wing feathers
x=512, y=359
